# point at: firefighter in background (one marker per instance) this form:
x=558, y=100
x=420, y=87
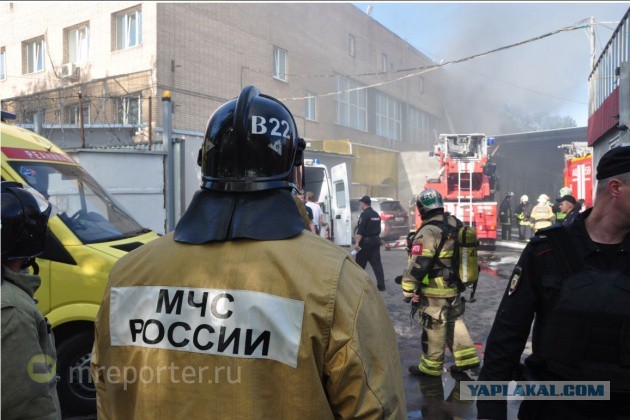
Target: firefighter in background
x=240, y=286
x=560, y=215
x=29, y=377
x=431, y=281
x=505, y=217
x=523, y=214
x=542, y=213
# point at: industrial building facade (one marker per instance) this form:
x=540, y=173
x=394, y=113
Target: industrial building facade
x=93, y=74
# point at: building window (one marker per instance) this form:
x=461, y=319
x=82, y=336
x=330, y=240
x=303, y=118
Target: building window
x=29, y=116
x=420, y=124
x=73, y=114
x=352, y=45
x=310, y=112
x=78, y=44
x=129, y=110
x=280, y=64
x=34, y=55
x=128, y=29
x=351, y=107
x=421, y=84
x=387, y=117
x=3, y=68
x=384, y=63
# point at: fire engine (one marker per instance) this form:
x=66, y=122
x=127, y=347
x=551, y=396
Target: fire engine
x=466, y=182
x=578, y=170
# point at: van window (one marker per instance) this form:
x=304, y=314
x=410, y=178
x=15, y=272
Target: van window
x=354, y=205
x=79, y=201
x=340, y=191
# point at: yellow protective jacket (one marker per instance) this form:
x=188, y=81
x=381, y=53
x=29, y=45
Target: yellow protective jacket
x=245, y=329
x=542, y=216
x=438, y=282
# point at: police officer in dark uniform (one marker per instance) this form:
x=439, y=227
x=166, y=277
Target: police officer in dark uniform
x=368, y=241
x=574, y=282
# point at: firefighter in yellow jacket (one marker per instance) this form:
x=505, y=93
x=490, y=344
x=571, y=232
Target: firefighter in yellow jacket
x=430, y=280
x=241, y=312
x=542, y=213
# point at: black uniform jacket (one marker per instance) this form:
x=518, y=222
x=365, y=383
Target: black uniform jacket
x=530, y=296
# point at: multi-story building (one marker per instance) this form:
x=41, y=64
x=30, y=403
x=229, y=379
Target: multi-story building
x=609, y=94
x=93, y=73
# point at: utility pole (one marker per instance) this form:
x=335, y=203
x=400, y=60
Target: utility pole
x=591, y=32
x=167, y=139
x=81, y=120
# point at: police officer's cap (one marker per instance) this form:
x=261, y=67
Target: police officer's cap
x=614, y=162
x=568, y=198
x=365, y=199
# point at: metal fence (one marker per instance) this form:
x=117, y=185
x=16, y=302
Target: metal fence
x=111, y=111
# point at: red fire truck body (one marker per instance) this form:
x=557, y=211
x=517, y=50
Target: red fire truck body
x=578, y=171
x=465, y=184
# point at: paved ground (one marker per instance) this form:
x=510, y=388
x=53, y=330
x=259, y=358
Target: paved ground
x=439, y=398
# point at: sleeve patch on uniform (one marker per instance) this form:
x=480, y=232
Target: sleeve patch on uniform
x=516, y=276
x=416, y=249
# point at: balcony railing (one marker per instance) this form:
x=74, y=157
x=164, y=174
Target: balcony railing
x=604, y=77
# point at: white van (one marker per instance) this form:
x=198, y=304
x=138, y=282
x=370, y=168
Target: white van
x=332, y=193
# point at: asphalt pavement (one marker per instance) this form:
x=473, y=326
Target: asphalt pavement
x=439, y=398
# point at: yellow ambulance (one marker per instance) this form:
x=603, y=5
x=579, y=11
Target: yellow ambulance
x=88, y=234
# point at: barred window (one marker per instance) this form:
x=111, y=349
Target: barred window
x=129, y=110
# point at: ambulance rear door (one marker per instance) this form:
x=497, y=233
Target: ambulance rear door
x=342, y=228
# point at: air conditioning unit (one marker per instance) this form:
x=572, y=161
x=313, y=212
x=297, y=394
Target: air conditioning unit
x=69, y=71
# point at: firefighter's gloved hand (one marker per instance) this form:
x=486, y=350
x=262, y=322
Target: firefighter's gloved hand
x=415, y=299
x=409, y=295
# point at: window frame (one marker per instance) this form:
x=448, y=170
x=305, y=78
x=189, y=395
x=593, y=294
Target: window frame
x=351, y=102
x=126, y=38
x=3, y=63
x=73, y=33
x=73, y=114
x=384, y=63
x=390, y=121
x=35, y=42
x=276, y=64
x=125, y=102
x=310, y=98
x=352, y=45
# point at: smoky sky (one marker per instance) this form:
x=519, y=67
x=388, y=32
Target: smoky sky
x=556, y=68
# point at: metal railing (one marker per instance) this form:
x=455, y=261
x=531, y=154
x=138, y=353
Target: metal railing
x=604, y=77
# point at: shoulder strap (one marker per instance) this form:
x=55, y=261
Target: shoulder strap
x=563, y=250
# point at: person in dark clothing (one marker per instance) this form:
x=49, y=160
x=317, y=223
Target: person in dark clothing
x=573, y=281
x=505, y=217
x=568, y=205
x=368, y=241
